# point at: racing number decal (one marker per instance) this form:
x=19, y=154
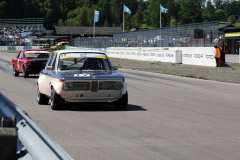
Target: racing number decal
x=18, y=64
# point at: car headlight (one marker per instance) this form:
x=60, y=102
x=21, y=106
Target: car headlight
x=119, y=85
x=28, y=64
x=67, y=86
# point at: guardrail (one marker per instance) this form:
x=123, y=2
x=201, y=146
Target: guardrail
x=35, y=142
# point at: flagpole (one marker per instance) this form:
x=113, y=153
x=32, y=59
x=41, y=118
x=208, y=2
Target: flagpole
x=160, y=17
x=123, y=17
x=94, y=24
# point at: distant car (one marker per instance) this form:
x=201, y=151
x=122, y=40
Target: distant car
x=59, y=46
x=30, y=61
x=81, y=76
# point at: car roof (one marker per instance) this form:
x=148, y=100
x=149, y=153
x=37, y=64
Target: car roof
x=80, y=51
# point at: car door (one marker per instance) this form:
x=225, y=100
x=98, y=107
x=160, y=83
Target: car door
x=20, y=62
x=43, y=79
x=49, y=72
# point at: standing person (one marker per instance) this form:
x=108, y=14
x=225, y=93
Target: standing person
x=217, y=55
x=223, y=49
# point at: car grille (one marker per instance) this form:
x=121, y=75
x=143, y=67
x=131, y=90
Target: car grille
x=107, y=85
x=40, y=64
x=85, y=86
x=94, y=86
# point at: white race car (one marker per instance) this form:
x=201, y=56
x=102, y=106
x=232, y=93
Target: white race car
x=81, y=76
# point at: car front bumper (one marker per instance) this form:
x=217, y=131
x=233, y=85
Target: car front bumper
x=88, y=96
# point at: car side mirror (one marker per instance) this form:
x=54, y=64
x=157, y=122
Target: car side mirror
x=49, y=68
x=114, y=68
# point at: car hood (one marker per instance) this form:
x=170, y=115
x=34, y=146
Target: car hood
x=89, y=75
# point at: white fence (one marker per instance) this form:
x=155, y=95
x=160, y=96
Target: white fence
x=186, y=55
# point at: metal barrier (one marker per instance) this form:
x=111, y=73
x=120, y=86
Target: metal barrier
x=37, y=144
x=189, y=35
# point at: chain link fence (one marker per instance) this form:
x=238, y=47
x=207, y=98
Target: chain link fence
x=192, y=35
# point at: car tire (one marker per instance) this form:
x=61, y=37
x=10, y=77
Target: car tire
x=123, y=102
x=25, y=74
x=15, y=73
x=55, y=100
x=41, y=98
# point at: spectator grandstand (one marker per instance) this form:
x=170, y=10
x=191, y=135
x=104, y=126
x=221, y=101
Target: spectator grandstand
x=17, y=31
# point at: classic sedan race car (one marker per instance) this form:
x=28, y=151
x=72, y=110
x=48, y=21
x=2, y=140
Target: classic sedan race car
x=30, y=61
x=81, y=76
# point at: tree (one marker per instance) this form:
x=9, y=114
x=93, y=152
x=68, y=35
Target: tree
x=32, y=8
x=190, y=11
x=151, y=17
x=14, y=9
x=79, y=17
x=219, y=4
x=219, y=15
x=173, y=7
x=137, y=19
x=2, y=7
x=208, y=13
x=232, y=19
x=105, y=9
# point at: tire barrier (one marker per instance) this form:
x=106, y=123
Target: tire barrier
x=19, y=48
x=36, y=143
x=27, y=47
x=11, y=48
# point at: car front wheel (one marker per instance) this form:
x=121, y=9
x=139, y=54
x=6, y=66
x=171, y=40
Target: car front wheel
x=123, y=102
x=25, y=74
x=55, y=100
x=41, y=98
x=15, y=73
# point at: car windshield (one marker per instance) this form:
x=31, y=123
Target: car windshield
x=83, y=61
x=36, y=54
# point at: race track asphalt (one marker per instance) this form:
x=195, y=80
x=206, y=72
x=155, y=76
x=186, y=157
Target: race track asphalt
x=168, y=117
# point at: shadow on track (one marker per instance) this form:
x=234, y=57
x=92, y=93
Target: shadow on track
x=31, y=76
x=98, y=107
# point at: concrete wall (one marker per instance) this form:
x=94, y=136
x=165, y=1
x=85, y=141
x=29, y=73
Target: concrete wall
x=202, y=56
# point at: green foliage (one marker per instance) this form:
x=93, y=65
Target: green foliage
x=190, y=11
x=145, y=14
x=208, y=13
x=219, y=15
x=2, y=6
x=232, y=19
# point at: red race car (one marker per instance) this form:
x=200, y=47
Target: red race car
x=30, y=61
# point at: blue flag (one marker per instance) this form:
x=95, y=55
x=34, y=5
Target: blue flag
x=164, y=10
x=126, y=9
x=96, y=16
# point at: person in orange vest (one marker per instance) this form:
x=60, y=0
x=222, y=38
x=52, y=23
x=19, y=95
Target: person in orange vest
x=217, y=54
x=223, y=49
